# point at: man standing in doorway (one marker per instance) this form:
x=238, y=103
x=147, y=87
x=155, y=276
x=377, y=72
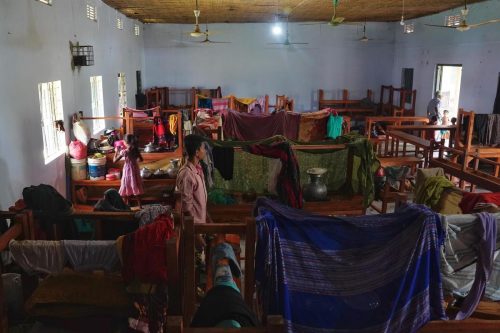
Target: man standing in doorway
x=433, y=107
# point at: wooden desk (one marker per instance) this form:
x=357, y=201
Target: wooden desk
x=369, y=121
x=491, y=153
x=409, y=161
x=422, y=128
x=418, y=142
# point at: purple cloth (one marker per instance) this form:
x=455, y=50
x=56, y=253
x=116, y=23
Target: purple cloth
x=487, y=230
x=248, y=127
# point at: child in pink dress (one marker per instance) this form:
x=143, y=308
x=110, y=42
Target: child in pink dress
x=131, y=184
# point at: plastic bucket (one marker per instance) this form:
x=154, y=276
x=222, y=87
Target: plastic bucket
x=78, y=169
x=97, y=168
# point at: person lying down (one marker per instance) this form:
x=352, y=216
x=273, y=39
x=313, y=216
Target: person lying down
x=223, y=306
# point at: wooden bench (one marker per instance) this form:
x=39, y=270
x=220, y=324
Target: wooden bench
x=426, y=145
x=475, y=177
x=398, y=121
x=352, y=107
x=19, y=231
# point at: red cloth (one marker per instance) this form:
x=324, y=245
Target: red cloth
x=249, y=127
x=144, y=251
x=289, y=190
x=469, y=200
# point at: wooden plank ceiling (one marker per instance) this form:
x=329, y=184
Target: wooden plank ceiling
x=246, y=11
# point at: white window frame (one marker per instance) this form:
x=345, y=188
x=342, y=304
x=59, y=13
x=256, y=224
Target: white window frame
x=122, y=92
x=51, y=110
x=97, y=103
x=137, y=30
x=91, y=12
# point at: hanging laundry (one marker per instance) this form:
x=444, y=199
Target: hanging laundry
x=375, y=273
x=91, y=255
x=143, y=251
x=204, y=102
x=223, y=158
x=172, y=124
x=334, y=126
x=289, y=191
x=38, y=256
x=220, y=104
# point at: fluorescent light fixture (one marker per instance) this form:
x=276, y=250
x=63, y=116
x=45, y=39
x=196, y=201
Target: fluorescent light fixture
x=277, y=29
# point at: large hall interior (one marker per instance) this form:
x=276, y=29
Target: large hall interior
x=250, y=166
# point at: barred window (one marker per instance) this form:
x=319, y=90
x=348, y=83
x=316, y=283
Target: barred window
x=119, y=23
x=137, y=30
x=51, y=109
x=91, y=12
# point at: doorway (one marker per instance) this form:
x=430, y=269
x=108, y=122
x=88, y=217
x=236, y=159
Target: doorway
x=447, y=82
x=407, y=82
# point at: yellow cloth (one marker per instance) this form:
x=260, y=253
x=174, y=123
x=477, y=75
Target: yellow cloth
x=430, y=193
x=243, y=100
x=449, y=202
x=172, y=123
x=155, y=165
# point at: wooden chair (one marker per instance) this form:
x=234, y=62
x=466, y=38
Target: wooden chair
x=388, y=194
x=246, y=230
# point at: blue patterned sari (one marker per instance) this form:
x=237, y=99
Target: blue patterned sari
x=364, y=274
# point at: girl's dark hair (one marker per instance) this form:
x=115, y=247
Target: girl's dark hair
x=133, y=144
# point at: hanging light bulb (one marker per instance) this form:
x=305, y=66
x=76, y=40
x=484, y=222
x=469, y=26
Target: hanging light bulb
x=402, y=22
x=276, y=29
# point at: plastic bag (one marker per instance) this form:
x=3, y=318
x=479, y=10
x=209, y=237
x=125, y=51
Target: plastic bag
x=77, y=150
x=81, y=131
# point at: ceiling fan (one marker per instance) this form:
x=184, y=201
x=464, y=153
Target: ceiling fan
x=463, y=25
x=364, y=39
x=207, y=40
x=287, y=42
x=197, y=31
x=334, y=21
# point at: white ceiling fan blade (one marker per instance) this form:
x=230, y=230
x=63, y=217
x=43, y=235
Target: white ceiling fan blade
x=485, y=22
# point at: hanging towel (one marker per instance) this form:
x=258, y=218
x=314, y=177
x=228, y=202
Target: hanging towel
x=334, y=126
x=487, y=232
x=91, y=255
x=377, y=273
x=38, y=256
x=223, y=158
x=220, y=104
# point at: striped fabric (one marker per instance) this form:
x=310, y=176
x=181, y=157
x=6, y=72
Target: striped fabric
x=220, y=104
x=376, y=273
x=458, y=261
